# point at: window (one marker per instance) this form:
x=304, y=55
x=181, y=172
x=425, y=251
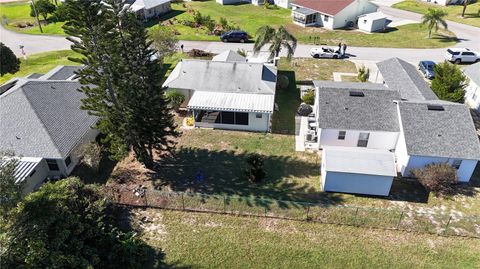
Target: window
x=258, y=115
x=32, y=173
x=456, y=164
x=52, y=165
x=363, y=140
x=468, y=53
x=241, y=118
x=237, y=118
x=68, y=161
x=325, y=18
x=341, y=135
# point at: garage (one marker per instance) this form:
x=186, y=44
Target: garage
x=357, y=170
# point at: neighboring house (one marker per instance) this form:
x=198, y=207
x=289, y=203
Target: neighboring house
x=280, y=3
x=226, y=95
x=331, y=14
x=434, y=132
x=372, y=22
x=402, y=117
x=148, y=9
x=229, y=56
x=445, y=2
x=472, y=91
x=42, y=119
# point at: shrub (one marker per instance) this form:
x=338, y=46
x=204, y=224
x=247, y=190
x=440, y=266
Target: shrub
x=363, y=74
x=309, y=97
x=91, y=155
x=255, y=172
x=304, y=110
x=438, y=178
x=282, y=82
x=223, y=22
x=175, y=98
x=190, y=121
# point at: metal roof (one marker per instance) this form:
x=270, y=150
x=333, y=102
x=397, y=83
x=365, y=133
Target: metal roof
x=238, y=102
x=24, y=167
x=357, y=160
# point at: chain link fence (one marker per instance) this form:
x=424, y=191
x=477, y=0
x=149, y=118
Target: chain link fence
x=407, y=220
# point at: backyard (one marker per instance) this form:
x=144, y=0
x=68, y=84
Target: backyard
x=472, y=14
x=249, y=18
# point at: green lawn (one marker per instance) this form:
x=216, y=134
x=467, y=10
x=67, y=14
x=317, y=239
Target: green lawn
x=472, y=15
x=19, y=12
x=41, y=63
x=316, y=69
x=195, y=240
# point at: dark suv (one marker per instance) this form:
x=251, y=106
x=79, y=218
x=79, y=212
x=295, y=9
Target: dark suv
x=234, y=36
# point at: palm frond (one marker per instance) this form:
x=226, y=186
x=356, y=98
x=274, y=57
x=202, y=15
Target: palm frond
x=264, y=35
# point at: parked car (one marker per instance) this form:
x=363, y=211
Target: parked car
x=461, y=55
x=234, y=36
x=426, y=67
x=325, y=52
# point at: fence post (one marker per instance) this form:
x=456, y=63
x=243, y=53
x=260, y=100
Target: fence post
x=355, y=219
x=308, y=211
x=183, y=202
x=448, y=223
x=224, y=204
x=399, y=220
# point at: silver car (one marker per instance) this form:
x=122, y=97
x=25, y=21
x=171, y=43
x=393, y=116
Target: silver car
x=325, y=52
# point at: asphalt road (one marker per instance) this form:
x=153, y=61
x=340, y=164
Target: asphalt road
x=469, y=35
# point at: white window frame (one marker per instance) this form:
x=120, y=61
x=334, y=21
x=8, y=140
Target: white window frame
x=341, y=135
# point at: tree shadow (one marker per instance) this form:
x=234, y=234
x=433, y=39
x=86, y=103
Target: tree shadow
x=224, y=174
x=89, y=176
x=170, y=15
x=446, y=38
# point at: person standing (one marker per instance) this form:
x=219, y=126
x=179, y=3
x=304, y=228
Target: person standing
x=344, y=51
x=340, y=47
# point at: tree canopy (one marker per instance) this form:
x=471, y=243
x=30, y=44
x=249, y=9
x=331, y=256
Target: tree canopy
x=9, y=63
x=433, y=19
x=278, y=38
x=164, y=40
x=10, y=191
x=44, y=8
x=122, y=79
x=449, y=82
x=67, y=224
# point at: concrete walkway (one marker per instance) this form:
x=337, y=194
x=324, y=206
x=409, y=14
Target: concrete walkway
x=300, y=132
x=337, y=76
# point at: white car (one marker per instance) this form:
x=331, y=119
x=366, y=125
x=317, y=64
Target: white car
x=461, y=55
x=324, y=52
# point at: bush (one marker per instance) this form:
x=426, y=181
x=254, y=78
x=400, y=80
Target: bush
x=175, y=98
x=438, y=178
x=282, y=82
x=449, y=82
x=255, y=172
x=309, y=97
x=363, y=74
x=304, y=110
x=91, y=155
x=242, y=52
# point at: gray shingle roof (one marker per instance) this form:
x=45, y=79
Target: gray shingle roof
x=61, y=72
x=473, y=73
x=449, y=133
x=404, y=78
x=229, y=56
x=237, y=77
x=42, y=118
x=375, y=111
x=35, y=75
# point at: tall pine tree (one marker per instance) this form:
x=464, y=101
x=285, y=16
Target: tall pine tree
x=122, y=84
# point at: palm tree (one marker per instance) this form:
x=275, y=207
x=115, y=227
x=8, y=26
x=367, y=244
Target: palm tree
x=433, y=18
x=277, y=38
x=465, y=3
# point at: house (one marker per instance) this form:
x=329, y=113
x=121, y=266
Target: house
x=41, y=120
x=357, y=170
x=472, y=91
x=226, y=95
x=229, y=56
x=402, y=117
x=331, y=14
x=280, y=3
x=372, y=22
x=148, y=9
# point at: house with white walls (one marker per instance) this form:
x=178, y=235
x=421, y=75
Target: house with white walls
x=41, y=121
x=472, y=91
x=331, y=14
x=148, y=9
x=280, y=3
x=235, y=95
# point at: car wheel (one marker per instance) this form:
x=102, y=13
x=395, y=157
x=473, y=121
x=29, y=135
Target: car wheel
x=225, y=40
x=242, y=40
x=316, y=56
x=458, y=61
x=335, y=56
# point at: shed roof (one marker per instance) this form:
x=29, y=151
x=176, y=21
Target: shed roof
x=238, y=102
x=374, y=16
x=375, y=111
x=473, y=73
x=404, y=78
x=42, y=118
x=330, y=7
x=359, y=161
x=435, y=132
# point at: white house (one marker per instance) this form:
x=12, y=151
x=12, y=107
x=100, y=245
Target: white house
x=436, y=132
x=41, y=120
x=472, y=91
x=226, y=95
x=357, y=170
x=147, y=9
x=372, y=22
x=331, y=14
x=280, y=3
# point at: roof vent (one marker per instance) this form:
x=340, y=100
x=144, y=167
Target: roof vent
x=435, y=107
x=357, y=94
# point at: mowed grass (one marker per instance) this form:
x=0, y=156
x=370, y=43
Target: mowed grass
x=316, y=69
x=472, y=15
x=41, y=63
x=19, y=12
x=199, y=240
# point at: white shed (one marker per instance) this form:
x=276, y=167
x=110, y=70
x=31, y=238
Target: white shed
x=357, y=170
x=372, y=22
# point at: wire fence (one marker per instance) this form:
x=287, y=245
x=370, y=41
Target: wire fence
x=391, y=219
